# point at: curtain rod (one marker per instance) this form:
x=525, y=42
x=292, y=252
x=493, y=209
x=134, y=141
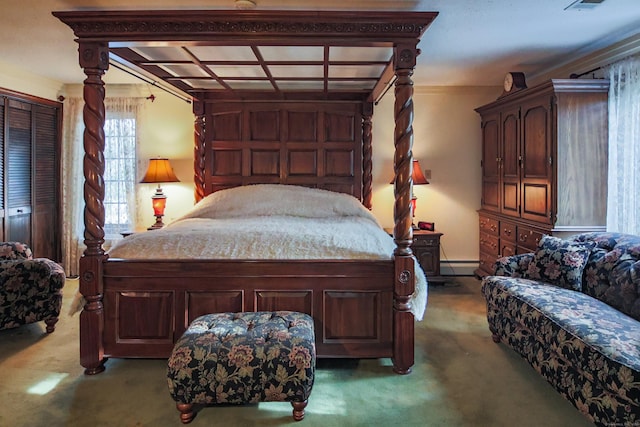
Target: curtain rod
x=151, y=82
x=577, y=76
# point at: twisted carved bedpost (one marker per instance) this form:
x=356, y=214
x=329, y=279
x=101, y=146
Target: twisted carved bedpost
x=198, y=150
x=367, y=154
x=94, y=59
x=403, y=320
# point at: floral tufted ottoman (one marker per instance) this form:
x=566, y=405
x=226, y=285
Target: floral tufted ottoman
x=249, y=357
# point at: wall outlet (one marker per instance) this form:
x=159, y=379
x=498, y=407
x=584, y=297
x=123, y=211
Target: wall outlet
x=427, y=174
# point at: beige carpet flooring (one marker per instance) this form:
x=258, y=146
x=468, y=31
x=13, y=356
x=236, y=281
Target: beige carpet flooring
x=461, y=378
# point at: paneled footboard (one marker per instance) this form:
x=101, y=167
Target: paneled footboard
x=148, y=304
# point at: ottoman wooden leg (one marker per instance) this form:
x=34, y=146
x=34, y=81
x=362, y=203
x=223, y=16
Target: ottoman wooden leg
x=51, y=324
x=186, y=412
x=298, y=410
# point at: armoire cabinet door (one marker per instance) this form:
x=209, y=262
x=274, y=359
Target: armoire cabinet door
x=511, y=160
x=537, y=160
x=491, y=162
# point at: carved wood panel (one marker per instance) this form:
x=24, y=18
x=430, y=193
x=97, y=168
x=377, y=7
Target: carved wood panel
x=309, y=144
x=345, y=306
x=301, y=301
x=199, y=303
x=134, y=308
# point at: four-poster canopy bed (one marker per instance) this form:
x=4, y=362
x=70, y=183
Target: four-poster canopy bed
x=311, y=130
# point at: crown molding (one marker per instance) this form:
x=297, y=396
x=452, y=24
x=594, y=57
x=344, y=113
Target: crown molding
x=599, y=58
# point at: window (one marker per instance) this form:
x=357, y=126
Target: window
x=119, y=174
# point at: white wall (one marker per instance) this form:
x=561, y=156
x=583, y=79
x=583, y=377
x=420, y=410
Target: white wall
x=447, y=140
x=20, y=80
x=166, y=131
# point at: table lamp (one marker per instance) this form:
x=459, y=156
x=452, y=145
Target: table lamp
x=159, y=171
x=418, y=178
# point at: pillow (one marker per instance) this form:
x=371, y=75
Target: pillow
x=277, y=199
x=560, y=262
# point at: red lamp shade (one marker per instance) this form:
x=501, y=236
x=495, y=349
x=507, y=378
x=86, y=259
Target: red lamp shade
x=159, y=171
x=418, y=178
x=416, y=174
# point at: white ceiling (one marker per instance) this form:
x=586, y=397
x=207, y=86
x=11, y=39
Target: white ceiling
x=471, y=42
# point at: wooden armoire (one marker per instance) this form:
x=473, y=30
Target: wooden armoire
x=544, y=166
x=30, y=142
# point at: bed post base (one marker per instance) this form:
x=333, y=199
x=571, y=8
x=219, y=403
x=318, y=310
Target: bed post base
x=403, y=320
x=92, y=316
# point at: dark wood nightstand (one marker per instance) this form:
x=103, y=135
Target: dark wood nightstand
x=426, y=248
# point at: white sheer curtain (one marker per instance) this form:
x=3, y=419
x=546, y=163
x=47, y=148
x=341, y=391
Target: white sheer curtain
x=121, y=144
x=623, y=204
x=73, y=175
x=72, y=185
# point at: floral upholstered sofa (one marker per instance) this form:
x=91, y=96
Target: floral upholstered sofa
x=30, y=288
x=572, y=310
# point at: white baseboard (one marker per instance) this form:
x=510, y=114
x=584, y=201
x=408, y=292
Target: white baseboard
x=458, y=268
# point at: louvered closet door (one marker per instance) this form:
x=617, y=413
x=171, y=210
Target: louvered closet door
x=46, y=170
x=18, y=165
x=2, y=132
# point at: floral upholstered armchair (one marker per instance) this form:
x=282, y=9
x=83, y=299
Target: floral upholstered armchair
x=30, y=289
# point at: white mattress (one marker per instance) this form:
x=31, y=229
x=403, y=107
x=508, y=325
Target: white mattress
x=269, y=237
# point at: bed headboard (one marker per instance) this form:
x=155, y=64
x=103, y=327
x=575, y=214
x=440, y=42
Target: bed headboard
x=315, y=144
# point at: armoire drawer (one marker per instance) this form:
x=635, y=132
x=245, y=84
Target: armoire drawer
x=507, y=231
x=489, y=226
x=507, y=248
x=528, y=238
x=487, y=262
x=489, y=244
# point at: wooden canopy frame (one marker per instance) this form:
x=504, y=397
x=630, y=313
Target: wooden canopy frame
x=100, y=33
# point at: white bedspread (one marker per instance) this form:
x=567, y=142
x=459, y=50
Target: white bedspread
x=271, y=222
